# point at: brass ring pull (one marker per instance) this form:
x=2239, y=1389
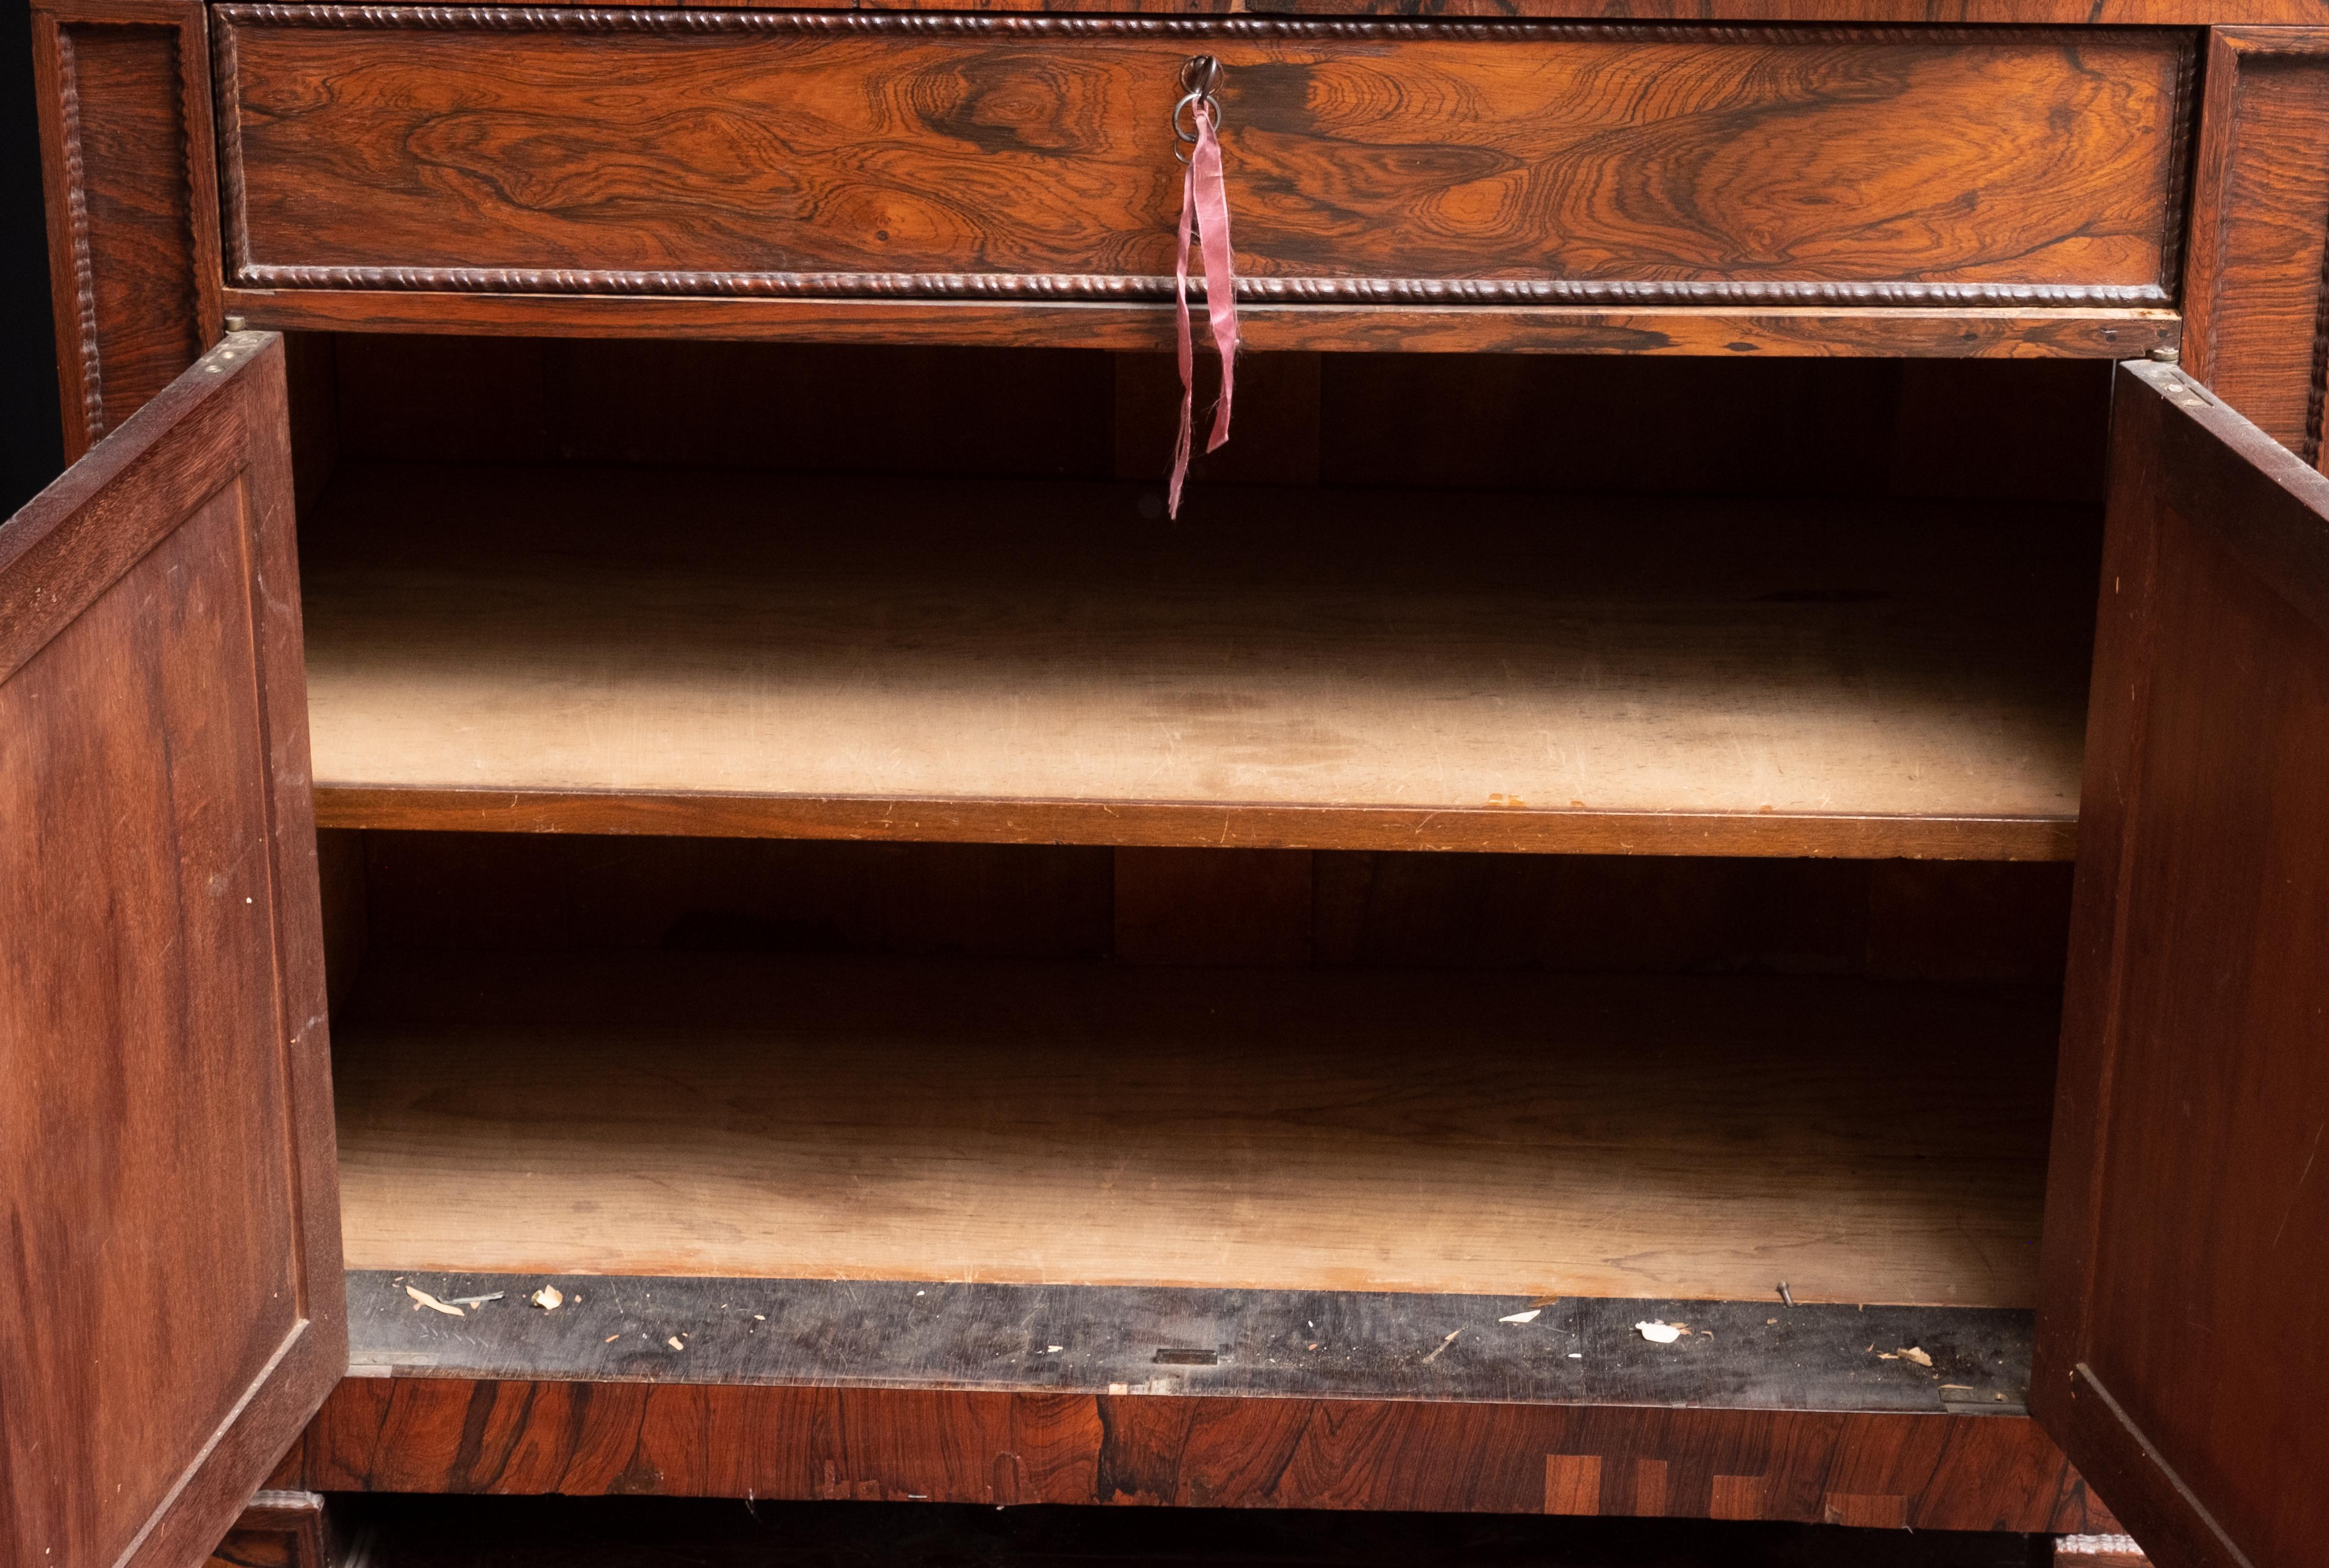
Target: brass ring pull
x=1199, y=80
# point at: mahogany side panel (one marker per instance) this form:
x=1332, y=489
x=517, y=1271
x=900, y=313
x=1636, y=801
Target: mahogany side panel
x=172, y=1306
x=2186, y=1195
x=127, y=169
x=943, y=155
x=443, y=1434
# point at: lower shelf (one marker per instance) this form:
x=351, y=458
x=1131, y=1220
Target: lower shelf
x=1512, y=1135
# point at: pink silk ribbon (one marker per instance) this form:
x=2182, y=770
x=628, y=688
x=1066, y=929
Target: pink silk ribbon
x=1206, y=199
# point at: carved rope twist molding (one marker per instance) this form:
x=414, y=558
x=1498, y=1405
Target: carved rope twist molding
x=84, y=269
x=623, y=19
x=1136, y=286
x=2182, y=127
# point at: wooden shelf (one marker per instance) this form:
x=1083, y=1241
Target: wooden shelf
x=848, y=1119
x=738, y=655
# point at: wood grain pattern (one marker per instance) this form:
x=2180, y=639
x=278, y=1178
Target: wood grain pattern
x=171, y=1308
x=836, y=1118
x=1969, y=332
x=2254, y=291
x=135, y=271
x=946, y=155
x=1284, y=667
x=2194, y=1096
x=427, y=1434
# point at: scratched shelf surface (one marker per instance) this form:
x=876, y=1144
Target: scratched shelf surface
x=1120, y=1339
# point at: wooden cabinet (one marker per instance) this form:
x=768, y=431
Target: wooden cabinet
x=860, y=961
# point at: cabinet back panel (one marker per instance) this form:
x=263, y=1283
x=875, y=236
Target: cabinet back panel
x=2021, y=429
x=1957, y=920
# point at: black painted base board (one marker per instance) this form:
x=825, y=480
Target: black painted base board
x=1128, y=1339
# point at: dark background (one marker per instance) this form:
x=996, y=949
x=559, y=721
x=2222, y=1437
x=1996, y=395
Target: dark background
x=31, y=444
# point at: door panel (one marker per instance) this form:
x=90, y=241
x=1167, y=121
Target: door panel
x=171, y=1308
x=2180, y=1361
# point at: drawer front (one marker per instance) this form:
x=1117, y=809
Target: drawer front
x=934, y=155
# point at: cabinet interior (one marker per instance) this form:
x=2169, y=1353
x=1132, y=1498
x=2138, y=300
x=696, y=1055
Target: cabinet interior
x=1574, y=598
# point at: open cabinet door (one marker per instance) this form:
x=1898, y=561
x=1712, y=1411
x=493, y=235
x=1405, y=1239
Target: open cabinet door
x=171, y=1305
x=2183, y=1342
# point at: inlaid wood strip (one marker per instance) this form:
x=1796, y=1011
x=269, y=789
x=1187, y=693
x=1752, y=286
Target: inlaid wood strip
x=87, y=367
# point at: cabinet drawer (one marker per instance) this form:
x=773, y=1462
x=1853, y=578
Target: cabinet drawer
x=932, y=156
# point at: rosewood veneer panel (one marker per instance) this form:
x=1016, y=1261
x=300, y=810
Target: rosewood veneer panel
x=2259, y=316
x=820, y=154
x=460, y=1434
x=125, y=101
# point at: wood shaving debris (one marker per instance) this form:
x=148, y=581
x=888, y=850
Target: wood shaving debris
x=1443, y=1345
x=1660, y=1333
x=1965, y=1387
x=1527, y=1317
x=548, y=1299
x=611, y=1339
x=675, y=1344
x=1913, y=1353
x=423, y=1299
x=1886, y=1356
x=1054, y=1349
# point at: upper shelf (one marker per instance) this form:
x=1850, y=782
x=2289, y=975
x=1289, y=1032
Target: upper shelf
x=683, y=652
